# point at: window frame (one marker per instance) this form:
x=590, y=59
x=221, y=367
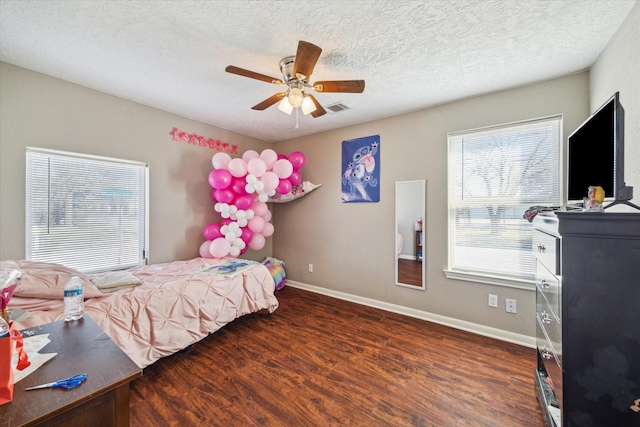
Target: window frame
x=475, y=275
x=142, y=223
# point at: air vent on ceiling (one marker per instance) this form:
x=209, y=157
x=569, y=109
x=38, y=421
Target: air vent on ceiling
x=337, y=107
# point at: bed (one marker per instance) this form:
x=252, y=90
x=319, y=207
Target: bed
x=165, y=309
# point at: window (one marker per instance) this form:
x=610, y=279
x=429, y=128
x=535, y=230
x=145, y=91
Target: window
x=85, y=212
x=495, y=175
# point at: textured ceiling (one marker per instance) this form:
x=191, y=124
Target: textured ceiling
x=171, y=55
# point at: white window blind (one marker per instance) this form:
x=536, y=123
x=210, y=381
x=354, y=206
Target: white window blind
x=85, y=212
x=495, y=175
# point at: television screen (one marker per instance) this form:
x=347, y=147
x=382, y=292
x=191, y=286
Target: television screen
x=592, y=154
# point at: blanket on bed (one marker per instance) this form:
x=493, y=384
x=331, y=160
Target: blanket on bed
x=175, y=305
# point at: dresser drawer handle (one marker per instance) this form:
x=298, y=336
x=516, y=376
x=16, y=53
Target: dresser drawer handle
x=541, y=248
x=546, y=354
x=544, y=284
x=545, y=317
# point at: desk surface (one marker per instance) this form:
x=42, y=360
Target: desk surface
x=82, y=347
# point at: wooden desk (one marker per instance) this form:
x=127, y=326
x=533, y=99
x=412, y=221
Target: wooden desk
x=102, y=400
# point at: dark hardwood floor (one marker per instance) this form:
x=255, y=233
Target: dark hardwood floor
x=319, y=361
x=410, y=272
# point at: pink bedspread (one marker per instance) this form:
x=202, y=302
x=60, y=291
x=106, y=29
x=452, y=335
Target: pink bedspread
x=175, y=306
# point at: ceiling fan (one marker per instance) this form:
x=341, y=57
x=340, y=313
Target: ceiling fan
x=296, y=71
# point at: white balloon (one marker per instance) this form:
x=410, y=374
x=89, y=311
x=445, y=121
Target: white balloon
x=241, y=214
x=242, y=222
x=217, y=207
x=250, y=213
x=251, y=179
x=230, y=237
x=233, y=209
x=224, y=230
x=224, y=215
x=234, y=251
x=271, y=193
x=224, y=207
x=234, y=227
x=263, y=197
x=249, y=188
x=259, y=186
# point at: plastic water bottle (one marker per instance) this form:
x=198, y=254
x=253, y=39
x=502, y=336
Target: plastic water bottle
x=73, y=299
x=4, y=328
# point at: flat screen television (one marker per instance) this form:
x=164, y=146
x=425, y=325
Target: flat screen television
x=596, y=156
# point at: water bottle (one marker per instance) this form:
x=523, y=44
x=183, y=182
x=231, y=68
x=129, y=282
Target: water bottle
x=73, y=299
x=4, y=328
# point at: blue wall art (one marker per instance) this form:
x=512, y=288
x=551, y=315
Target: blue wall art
x=361, y=169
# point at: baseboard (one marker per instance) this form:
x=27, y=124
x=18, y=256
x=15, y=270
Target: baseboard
x=524, y=340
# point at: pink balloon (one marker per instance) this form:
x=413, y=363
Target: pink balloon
x=284, y=187
x=270, y=180
x=237, y=167
x=250, y=154
x=267, y=230
x=244, y=202
x=213, y=194
x=257, y=242
x=256, y=167
x=295, y=177
x=205, y=252
x=256, y=224
x=297, y=159
x=211, y=231
x=247, y=234
x=220, y=160
x=244, y=250
x=259, y=208
x=282, y=156
x=225, y=221
x=269, y=157
x=267, y=216
x=225, y=195
x=238, y=184
x=283, y=168
x=220, y=178
x=220, y=247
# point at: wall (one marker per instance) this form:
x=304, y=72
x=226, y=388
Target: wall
x=41, y=111
x=351, y=245
x=617, y=70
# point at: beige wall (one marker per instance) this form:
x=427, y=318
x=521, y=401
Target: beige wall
x=618, y=70
x=42, y=111
x=351, y=245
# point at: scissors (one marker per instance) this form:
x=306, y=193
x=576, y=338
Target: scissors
x=65, y=384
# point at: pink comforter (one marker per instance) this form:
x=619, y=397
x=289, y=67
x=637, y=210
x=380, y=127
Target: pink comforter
x=175, y=306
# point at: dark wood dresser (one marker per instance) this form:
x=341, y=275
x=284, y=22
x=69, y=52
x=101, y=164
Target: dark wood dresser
x=588, y=317
x=82, y=347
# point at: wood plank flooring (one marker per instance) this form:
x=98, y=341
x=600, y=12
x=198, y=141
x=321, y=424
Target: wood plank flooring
x=319, y=361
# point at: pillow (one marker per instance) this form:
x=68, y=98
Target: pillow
x=45, y=280
x=276, y=268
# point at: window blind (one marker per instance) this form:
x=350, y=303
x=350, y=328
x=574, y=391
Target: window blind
x=85, y=212
x=495, y=175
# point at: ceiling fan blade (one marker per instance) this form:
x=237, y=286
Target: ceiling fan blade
x=346, y=86
x=252, y=75
x=269, y=101
x=319, y=110
x=306, y=58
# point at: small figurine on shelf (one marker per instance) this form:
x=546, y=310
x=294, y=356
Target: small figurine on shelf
x=418, y=225
x=595, y=199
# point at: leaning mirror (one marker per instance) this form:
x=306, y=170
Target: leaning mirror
x=410, y=255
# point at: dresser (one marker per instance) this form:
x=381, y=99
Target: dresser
x=588, y=318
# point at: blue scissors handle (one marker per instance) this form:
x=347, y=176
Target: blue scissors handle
x=71, y=382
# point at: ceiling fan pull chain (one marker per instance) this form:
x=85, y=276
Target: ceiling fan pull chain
x=297, y=117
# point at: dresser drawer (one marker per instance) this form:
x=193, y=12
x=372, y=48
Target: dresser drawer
x=550, y=325
x=549, y=286
x=552, y=364
x=546, y=249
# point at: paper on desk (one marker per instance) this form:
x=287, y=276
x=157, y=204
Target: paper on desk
x=32, y=345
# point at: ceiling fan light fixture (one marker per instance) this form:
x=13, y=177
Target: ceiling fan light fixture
x=295, y=97
x=308, y=106
x=285, y=106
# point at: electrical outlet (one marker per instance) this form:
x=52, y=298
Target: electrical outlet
x=510, y=305
x=310, y=268
x=493, y=300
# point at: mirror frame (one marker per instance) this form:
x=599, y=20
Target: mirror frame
x=423, y=193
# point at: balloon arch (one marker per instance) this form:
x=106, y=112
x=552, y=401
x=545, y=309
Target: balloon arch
x=241, y=189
